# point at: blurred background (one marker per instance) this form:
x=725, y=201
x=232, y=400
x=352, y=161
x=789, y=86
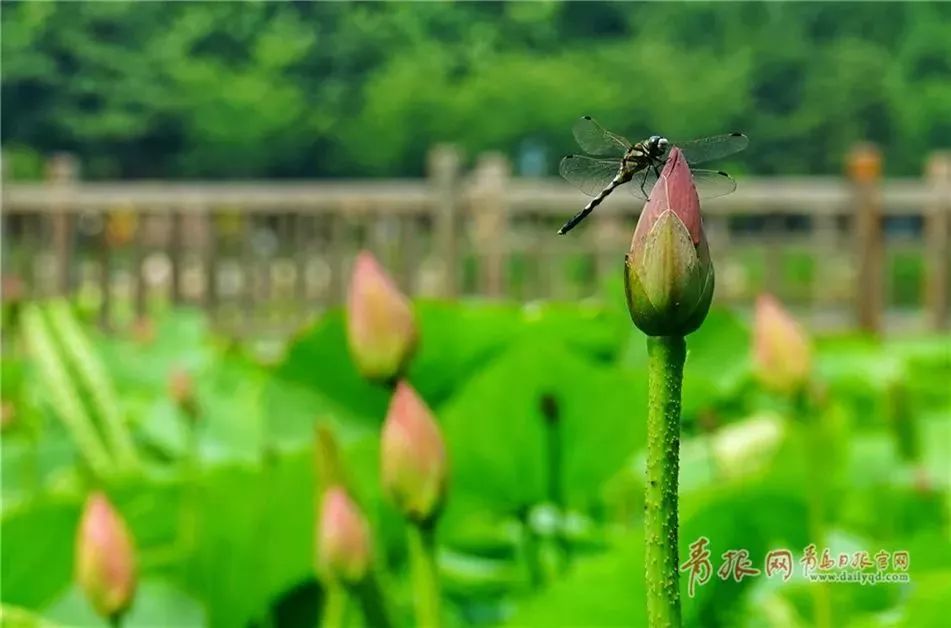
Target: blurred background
x=185, y=189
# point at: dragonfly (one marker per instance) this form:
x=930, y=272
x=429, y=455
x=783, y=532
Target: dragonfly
x=613, y=161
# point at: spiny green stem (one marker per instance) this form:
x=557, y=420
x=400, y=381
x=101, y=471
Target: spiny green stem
x=666, y=355
x=422, y=555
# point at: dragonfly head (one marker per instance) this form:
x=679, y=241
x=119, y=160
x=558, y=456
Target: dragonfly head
x=657, y=145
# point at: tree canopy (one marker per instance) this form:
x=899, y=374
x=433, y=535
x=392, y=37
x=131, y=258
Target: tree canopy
x=364, y=89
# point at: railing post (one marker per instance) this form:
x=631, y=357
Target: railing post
x=210, y=259
x=175, y=250
x=62, y=171
x=139, y=244
x=865, y=170
x=443, y=170
x=337, y=234
x=937, y=221
x=491, y=220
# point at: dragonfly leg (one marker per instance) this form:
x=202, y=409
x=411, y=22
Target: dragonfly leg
x=647, y=170
x=644, y=189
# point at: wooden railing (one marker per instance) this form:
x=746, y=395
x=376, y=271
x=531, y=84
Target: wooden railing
x=270, y=253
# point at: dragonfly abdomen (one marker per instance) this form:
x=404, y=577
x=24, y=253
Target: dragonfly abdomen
x=620, y=178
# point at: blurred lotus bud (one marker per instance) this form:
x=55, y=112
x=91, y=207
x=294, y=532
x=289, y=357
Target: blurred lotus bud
x=668, y=274
x=781, y=351
x=921, y=481
x=181, y=389
x=328, y=470
x=143, y=330
x=747, y=447
x=707, y=420
x=120, y=227
x=105, y=558
x=12, y=288
x=8, y=415
x=343, y=538
x=381, y=328
x=413, y=461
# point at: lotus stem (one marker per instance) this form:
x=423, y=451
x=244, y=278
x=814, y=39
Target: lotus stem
x=335, y=607
x=422, y=555
x=666, y=355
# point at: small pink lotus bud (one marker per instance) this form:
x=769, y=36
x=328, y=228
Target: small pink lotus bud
x=781, y=351
x=413, y=459
x=381, y=327
x=105, y=558
x=668, y=276
x=343, y=538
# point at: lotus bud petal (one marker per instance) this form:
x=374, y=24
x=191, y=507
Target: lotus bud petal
x=781, y=351
x=414, y=464
x=343, y=538
x=105, y=558
x=668, y=276
x=381, y=328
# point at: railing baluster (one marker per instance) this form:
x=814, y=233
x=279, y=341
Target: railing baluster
x=175, y=246
x=492, y=224
x=210, y=259
x=139, y=249
x=336, y=250
x=937, y=219
x=105, y=274
x=444, y=164
x=302, y=239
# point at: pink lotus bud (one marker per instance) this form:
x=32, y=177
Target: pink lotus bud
x=381, y=328
x=781, y=351
x=105, y=558
x=343, y=538
x=413, y=457
x=668, y=274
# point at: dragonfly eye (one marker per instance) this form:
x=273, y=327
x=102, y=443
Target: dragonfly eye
x=662, y=143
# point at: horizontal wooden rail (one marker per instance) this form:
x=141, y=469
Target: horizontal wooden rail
x=759, y=195
x=266, y=245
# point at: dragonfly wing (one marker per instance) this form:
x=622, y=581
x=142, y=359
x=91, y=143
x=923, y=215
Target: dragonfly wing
x=709, y=183
x=713, y=183
x=595, y=140
x=588, y=174
x=714, y=147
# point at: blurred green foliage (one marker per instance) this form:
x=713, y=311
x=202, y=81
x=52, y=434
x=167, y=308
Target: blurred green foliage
x=331, y=89
x=222, y=508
